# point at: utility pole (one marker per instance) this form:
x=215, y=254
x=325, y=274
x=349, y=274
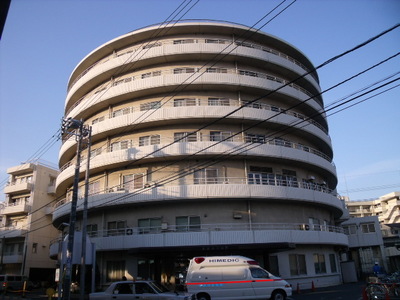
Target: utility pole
x=84, y=217
x=72, y=127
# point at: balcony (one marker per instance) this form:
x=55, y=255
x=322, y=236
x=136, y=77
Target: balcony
x=12, y=231
x=21, y=169
x=13, y=187
x=168, y=80
x=285, y=151
x=12, y=258
x=214, y=235
x=20, y=207
x=167, y=48
x=234, y=188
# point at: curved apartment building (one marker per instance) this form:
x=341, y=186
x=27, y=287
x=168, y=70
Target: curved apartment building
x=208, y=138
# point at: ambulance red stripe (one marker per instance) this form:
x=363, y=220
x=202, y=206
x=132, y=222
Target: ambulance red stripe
x=229, y=282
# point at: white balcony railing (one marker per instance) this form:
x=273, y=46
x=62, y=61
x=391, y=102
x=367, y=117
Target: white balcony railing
x=213, y=234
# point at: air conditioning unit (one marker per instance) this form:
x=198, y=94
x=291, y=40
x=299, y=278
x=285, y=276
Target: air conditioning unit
x=305, y=227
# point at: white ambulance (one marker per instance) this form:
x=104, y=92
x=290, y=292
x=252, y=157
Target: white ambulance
x=233, y=277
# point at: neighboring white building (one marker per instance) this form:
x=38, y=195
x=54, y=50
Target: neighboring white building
x=365, y=244
x=26, y=222
x=386, y=210
x=209, y=138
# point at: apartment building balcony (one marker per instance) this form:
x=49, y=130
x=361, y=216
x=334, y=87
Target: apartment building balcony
x=167, y=80
x=259, y=54
x=229, y=235
x=20, y=207
x=18, y=187
x=222, y=188
x=12, y=231
x=13, y=258
x=277, y=149
x=21, y=169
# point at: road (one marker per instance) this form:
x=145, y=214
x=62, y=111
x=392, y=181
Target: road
x=348, y=291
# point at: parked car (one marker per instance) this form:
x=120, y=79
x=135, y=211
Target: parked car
x=149, y=290
x=14, y=283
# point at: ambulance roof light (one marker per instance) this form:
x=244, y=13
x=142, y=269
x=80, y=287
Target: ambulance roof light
x=252, y=262
x=199, y=260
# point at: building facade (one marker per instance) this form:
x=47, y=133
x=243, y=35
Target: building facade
x=208, y=138
x=386, y=210
x=26, y=228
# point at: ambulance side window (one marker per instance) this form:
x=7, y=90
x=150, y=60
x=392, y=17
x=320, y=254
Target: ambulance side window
x=258, y=273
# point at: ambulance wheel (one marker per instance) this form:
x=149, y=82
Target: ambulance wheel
x=203, y=297
x=278, y=295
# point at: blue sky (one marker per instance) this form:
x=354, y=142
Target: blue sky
x=43, y=41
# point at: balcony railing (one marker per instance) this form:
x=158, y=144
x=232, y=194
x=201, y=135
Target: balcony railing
x=260, y=139
x=270, y=180
x=164, y=228
x=136, y=48
x=199, y=71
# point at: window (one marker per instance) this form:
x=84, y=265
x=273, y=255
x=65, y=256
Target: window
x=368, y=228
x=290, y=177
x=216, y=41
x=216, y=136
x=244, y=44
x=218, y=102
x=315, y=223
x=91, y=230
x=297, y=264
x=185, y=102
x=183, y=137
x=116, y=228
x=319, y=263
x=148, y=46
x=248, y=73
x=93, y=189
x=332, y=261
x=133, y=181
x=122, y=111
x=122, y=145
x=216, y=70
x=255, y=138
x=115, y=270
x=261, y=175
x=185, y=41
x=150, y=105
x=188, y=223
x=95, y=152
x=149, y=225
x=258, y=273
x=34, y=247
x=206, y=176
x=184, y=70
x=149, y=140
x=350, y=229
x=97, y=120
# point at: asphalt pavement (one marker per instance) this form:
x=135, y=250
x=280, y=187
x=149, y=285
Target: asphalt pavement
x=347, y=291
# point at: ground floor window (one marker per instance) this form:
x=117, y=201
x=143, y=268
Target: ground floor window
x=332, y=261
x=115, y=270
x=319, y=263
x=297, y=264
